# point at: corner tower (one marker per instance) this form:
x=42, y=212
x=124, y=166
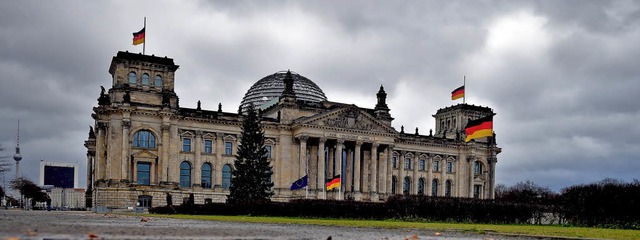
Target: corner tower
x=451, y=121
x=142, y=79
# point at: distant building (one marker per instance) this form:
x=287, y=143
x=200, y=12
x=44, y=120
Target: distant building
x=59, y=175
x=67, y=198
x=145, y=147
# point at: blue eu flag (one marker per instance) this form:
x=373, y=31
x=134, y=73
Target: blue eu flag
x=300, y=183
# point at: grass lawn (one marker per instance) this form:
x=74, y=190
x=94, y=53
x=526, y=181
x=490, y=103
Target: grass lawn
x=532, y=230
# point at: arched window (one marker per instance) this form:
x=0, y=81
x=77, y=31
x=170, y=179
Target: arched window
x=406, y=185
x=447, y=188
x=158, y=82
x=477, y=168
x=185, y=174
x=434, y=187
x=226, y=176
x=206, y=175
x=144, y=139
x=394, y=182
x=132, y=78
x=145, y=79
x=421, y=186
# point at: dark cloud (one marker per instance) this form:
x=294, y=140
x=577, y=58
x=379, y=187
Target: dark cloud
x=560, y=75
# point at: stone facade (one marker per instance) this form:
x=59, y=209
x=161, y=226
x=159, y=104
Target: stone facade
x=145, y=147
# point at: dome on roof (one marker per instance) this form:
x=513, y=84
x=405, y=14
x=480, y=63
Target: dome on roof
x=267, y=90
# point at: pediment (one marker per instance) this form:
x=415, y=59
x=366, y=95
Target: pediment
x=145, y=154
x=350, y=118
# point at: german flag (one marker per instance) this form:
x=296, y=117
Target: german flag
x=458, y=93
x=333, y=183
x=482, y=127
x=138, y=37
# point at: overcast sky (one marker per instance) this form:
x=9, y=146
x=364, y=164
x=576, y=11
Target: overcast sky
x=562, y=76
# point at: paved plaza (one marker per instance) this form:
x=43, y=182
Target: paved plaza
x=18, y=224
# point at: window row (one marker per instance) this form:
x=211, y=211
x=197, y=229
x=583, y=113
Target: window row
x=144, y=79
x=206, y=176
x=422, y=164
x=406, y=186
x=147, y=140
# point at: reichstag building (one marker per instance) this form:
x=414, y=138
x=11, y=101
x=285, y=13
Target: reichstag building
x=144, y=148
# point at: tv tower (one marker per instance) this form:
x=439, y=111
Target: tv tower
x=17, y=156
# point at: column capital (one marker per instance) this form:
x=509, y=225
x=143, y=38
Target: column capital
x=359, y=143
x=322, y=139
x=471, y=158
x=219, y=135
x=126, y=123
x=340, y=140
x=198, y=133
x=302, y=138
x=375, y=145
x=166, y=126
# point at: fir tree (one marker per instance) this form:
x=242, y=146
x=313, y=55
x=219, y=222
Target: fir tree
x=251, y=175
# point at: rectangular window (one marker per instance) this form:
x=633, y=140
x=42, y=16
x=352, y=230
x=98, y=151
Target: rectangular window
x=449, y=167
x=228, y=148
x=144, y=173
x=422, y=165
x=268, y=151
x=477, y=168
x=407, y=163
x=436, y=166
x=208, y=146
x=186, y=144
x=394, y=162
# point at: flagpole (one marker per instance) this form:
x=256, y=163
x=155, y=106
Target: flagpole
x=464, y=83
x=144, y=43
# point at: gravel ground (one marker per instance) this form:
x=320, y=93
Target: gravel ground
x=18, y=224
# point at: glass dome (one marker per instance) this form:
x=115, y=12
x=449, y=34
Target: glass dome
x=267, y=90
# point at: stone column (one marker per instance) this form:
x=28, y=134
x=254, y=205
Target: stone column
x=90, y=173
x=197, y=162
x=303, y=163
x=428, y=181
x=402, y=173
x=339, y=146
x=321, y=178
x=470, y=163
x=443, y=176
x=218, y=163
x=101, y=167
x=374, y=172
x=389, y=173
x=357, y=174
x=348, y=173
x=126, y=169
x=492, y=177
x=415, y=178
x=165, y=162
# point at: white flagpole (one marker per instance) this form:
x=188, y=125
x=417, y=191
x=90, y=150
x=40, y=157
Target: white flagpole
x=144, y=43
x=464, y=85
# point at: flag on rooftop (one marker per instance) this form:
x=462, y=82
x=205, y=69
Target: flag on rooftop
x=138, y=37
